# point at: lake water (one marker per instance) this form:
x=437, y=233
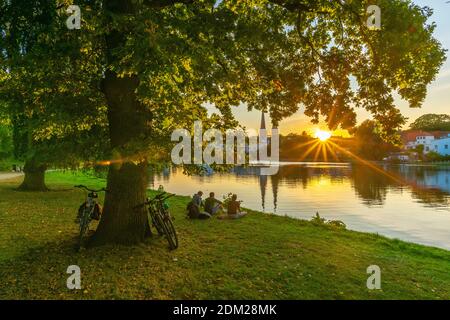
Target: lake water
x=407, y=202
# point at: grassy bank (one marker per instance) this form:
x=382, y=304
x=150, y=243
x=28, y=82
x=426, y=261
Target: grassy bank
x=258, y=257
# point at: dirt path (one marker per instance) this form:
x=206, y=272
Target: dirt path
x=9, y=175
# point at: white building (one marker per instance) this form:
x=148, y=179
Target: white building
x=431, y=144
x=425, y=140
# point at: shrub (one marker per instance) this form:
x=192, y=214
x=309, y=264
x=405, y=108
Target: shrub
x=319, y=221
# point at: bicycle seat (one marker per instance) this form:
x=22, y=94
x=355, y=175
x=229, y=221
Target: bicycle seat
x=93, y=195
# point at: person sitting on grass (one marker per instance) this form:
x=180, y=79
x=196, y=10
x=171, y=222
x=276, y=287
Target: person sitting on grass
x=212, y=205
x=234, y=208
x=197, y=199
x=194, y=207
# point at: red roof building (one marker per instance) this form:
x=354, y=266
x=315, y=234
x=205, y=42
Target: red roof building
x=411, y=135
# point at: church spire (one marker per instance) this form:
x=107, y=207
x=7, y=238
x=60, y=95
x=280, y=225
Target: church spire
x=263, y=121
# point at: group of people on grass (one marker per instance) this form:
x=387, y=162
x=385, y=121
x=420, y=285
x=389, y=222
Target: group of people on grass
x=205, y=209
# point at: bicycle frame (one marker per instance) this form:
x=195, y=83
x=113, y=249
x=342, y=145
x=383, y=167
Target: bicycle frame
x=160, y=218
x=90, y=207
x=159, y=201
x=156, y=207
x=86, y=216
x=91, y=202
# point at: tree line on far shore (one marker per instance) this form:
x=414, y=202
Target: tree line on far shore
x=367, y=141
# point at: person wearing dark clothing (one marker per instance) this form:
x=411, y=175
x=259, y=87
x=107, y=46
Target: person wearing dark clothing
x=212, y=205
x=197, y=198
x=194, y=207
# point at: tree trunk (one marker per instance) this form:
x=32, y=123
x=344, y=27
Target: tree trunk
x=124, y=221
x=34, y=179
x=127, y=182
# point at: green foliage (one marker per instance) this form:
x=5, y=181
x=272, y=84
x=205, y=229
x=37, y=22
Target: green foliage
x=435, y=157
x=37, y=78
x=6, y=146
x=420, y=149
x=371, y=142
x=432, y=122
x=319, y=221
x=271, y=55
x=6, y=164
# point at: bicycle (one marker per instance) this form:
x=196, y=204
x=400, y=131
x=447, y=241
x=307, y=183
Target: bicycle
x=88, y=211
x=159, y=217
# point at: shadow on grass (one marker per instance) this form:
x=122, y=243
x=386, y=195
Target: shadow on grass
x=107, y=271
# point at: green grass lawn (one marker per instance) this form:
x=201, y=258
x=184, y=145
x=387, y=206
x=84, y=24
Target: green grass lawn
x=258, y=257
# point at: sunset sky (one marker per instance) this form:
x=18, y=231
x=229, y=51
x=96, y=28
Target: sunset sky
x=438, y=99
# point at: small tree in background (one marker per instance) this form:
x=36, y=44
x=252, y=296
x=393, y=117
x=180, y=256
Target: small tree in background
x=370, y=141
x=420, y=149
x=37, y=84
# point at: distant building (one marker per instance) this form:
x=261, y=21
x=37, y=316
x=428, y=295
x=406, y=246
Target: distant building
x=400, y=156
x=440, y=146
x=265, y=140
x=412, y=135
x=433, y=141
x=263, y=122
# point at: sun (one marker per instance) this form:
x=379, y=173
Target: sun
x=322, y=135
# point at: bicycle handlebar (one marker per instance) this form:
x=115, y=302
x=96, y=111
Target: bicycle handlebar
x=160, y=197
x=91, y=190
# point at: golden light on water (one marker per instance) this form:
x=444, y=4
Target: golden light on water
x=322, y=135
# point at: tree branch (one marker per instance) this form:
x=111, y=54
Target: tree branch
x=293, y=5
x=309, y=43
x=165, y=3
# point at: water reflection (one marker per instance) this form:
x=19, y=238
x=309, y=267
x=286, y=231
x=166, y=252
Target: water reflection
x=429, y=185
x=407, y=202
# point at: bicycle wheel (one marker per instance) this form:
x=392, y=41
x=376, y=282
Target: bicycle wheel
x=156, y=223
x=167, y=231
x=171, y=233
x=84, y=225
